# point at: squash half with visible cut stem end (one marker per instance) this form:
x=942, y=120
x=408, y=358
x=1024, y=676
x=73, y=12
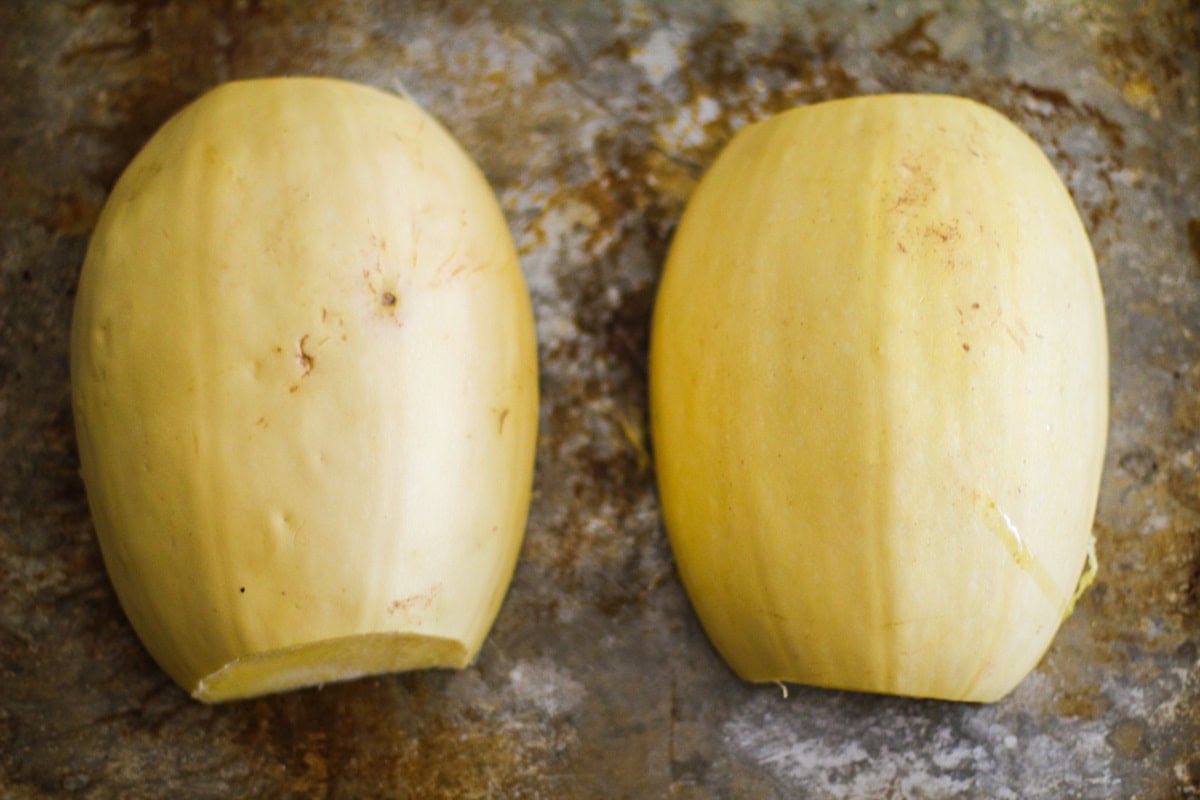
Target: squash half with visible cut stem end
x=305, y=388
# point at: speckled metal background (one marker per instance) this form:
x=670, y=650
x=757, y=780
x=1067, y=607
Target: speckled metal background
x=593, y=121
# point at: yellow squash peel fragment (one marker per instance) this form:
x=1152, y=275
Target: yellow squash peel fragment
x=879, y=405
x=305, y=388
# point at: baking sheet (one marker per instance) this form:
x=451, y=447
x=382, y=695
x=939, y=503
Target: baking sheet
x=593, y=121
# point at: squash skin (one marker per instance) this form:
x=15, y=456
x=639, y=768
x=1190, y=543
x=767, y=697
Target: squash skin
x=879, y=399
x=305, y=388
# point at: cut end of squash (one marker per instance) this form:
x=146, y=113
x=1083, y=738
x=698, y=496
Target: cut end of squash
x=328, y=661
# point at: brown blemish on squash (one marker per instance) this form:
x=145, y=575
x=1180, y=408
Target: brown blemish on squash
x=1018, y=338
x=945, y=231
x=916, y=185
x=386, y=299
x=306, y=360
x=503, y=416
x=420, y=601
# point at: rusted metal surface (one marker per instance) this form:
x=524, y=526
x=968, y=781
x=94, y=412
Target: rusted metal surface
x=594, y=120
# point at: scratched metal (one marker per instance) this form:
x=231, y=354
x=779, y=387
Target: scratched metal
x=593, y=121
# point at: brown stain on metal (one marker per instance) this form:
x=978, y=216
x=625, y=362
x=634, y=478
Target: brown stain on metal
x=1128, y=738
x=291, y=740
x=715, y=65
x=812, y=61
x=635, y=193
x=914, y=44
x=1193, y=237
x=796, y=69
x=1183, y=477
x=136, y=38
x=1080, y=702
x=454, y=753
x=1145, y=576
x=71, y=214
x=1148, y=71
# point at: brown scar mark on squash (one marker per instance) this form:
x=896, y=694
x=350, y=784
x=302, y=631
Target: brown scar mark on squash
x=306, y=360
x=414, y=234
x=915, y=184
x=327, y=317
x=261, y=422
x=414, y=602
x=411, y=147
x=1018, y=334
x=378, y=242
x=441, y=277
x=1016, y=331
x=460, y=270
x=388, y=300
x=503, y=416
x=944, y=231
x=389, y=304
x=1019, y=341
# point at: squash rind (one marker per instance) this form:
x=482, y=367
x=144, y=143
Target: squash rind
x=305, y=386
x=879, y=398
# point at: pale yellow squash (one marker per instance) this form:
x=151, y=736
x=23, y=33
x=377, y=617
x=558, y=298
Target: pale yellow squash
x=305, y=388
x=879, y=392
